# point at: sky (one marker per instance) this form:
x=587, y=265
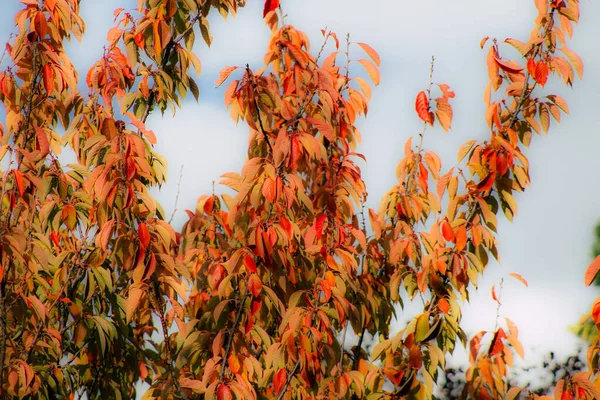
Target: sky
x=549, y=242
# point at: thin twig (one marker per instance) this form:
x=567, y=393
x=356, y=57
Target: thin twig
x=177, y=195
x=262, y=128
x=288, y=380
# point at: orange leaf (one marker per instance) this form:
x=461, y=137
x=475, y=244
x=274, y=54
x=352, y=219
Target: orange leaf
x=508, y=66
x=371, y=70
x=520, y=278
x=254, y=285
x=223, y=75
x=269, y=190
x=422, y=107
x=143, y=234
x=461, y=238
x=279, y=380
x=483, y=41
x=531, y=67
x=224, y=393
x=48, y=77
x=447, y=231
x=371, y=53
x=592, y=271
x=444, y=306
x=494, y=294
x=323, y=127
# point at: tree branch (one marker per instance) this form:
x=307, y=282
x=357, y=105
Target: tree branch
x=236, y=323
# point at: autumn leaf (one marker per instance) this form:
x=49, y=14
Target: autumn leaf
x=270, y=5
x=48, y=78
x=144, y=234
x=371, y=53
x=249, y=263
x=254, y=285
x=371, y=70
x=422, y=107
x=224, y=74
x=541, y=73
x=444, y=113
x=493, y=291
x=519, y=278
x=279, y=380
x=444, y=306
x=591, y=271
x=224, y=393
x=19, y=181
x=319, y=225
x=447, y=231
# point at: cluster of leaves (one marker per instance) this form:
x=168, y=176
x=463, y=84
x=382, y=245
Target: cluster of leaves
x=544, y=377
x=255, y=296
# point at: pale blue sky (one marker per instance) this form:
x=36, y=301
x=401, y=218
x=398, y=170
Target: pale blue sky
x=549, y=242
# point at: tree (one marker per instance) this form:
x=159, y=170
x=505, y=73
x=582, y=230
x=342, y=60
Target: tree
x=255, y=296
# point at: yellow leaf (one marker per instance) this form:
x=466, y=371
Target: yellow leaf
x=575, y=60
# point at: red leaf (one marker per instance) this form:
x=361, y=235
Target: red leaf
x=254, y=285
x=249, y=263
x=19, y=180
x=143, y=234
x=270, y=5
x=279, y=380
x=255, y=306
x=319, y=225
x=224, y=393
x=541, y=73
x=422, y=107
x=596, y=311
x=48, y=77
x=497, y=346
x=592, y=271
x=531, y=67
x=55, y=238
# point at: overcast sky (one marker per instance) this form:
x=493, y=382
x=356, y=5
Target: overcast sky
x=549, y=242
